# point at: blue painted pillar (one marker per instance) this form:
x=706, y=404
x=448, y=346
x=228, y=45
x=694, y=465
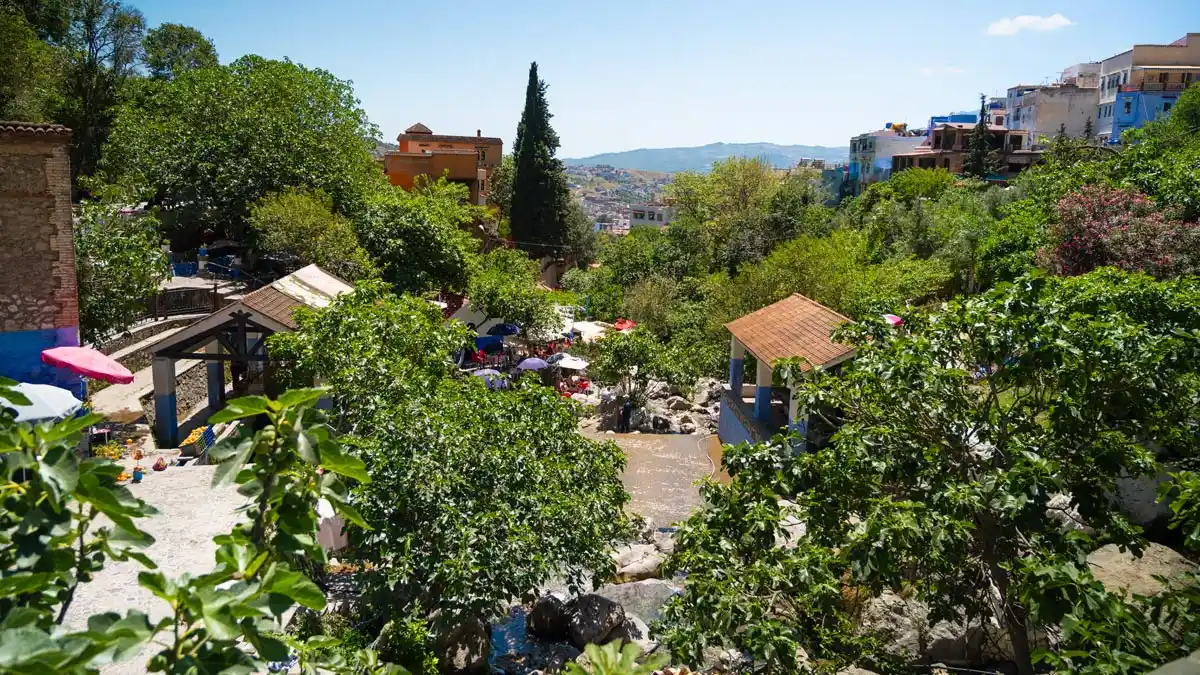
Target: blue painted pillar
x=166, y=425
x=737, y=361
x=216, y=378
x=762, y=391
x=797, y=421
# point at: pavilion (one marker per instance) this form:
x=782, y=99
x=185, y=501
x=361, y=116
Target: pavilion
x=237, y=334
x=793, y=327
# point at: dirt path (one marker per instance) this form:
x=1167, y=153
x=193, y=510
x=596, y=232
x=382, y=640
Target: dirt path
x=662, y=472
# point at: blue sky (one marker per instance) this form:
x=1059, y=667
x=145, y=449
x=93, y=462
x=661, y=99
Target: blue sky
x=627, y=74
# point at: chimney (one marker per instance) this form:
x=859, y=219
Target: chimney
x=478, y=133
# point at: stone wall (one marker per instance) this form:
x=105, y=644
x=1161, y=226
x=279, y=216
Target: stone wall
x=38, y=300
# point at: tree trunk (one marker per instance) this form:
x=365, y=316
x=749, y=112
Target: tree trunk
x=1013, y=619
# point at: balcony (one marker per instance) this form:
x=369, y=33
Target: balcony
x=1155, y=86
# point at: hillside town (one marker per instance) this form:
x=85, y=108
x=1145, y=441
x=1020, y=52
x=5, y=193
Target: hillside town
x=280, y=395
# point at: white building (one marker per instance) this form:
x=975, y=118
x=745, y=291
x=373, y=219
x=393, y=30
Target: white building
x=871, y=154
x=650, y=214
x=1044, y=110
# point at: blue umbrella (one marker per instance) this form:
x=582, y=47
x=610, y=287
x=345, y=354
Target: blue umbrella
x=532, y=364
x=504, y=329
x=45, y=402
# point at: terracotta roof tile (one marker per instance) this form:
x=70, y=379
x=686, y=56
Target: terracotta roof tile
x=438, y=138
x=273, y=303
x=33, y=128
x=418, y=128
x=794, y=326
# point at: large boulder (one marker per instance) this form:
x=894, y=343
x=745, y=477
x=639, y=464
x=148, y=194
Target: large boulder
x=641, y=598
x=635, y=562
x=463, y=648
x=1125, y=572
x=547, y=618
x=634, y=630
x=707, y=390
x=591, y=618
x=678, y=403
x=657, y=389
x=903, y=625
x=536, y=656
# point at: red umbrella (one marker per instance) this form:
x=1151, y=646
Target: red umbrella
x=624, y=324
x=89, y=363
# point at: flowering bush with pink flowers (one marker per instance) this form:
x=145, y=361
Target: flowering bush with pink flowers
x=1101, y=226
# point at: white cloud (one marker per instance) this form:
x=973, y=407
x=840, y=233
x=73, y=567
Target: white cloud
x=1012, y=25
x=941, y=70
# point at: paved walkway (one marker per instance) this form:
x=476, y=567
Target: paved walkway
x=190, y=514
x=662, y=472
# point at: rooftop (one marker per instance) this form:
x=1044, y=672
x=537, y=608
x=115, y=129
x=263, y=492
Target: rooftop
x=420, y=132
x=13, y=127
x=793, y=327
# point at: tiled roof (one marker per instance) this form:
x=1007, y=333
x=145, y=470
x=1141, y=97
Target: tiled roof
x=309, y=286
x=437, y=138
x=418, y=128
x=33, y=128
x=794, y=326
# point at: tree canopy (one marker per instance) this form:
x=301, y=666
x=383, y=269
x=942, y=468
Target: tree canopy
x=463, y=477
x=504, y=286
x=172, y=49
x=210, y=142
x=301, y=225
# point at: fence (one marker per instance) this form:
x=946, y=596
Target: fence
x=176, y=301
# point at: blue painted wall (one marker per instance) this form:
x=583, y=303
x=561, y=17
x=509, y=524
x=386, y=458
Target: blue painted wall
x=730, y=429
x=21, y=357
x=1143, y=106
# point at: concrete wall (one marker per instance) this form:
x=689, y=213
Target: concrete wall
x=1054, y=107
x=38, y=303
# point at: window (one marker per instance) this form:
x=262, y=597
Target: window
x=481, y=153
x=659, y=218
x=1186, y=78
x=1128, y=107
x=639, y=215
x=1125, y=77
x=946, y=163
x=1167, y=106
x=1014, y=142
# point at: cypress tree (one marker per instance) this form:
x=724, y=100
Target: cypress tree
x=540, y=197
x=979, y=145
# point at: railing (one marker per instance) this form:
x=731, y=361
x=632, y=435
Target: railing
x=176, y=301
x=1155, y=86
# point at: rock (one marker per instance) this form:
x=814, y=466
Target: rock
x=707, y=390
x=903, y=624
x=538, y=657
x=637, y=561
x=548, y=617
x=1060, y=509
x=463, y=648
x=657, y=389
x=647, y=530
x=640, y=598
x=687, y=419
x=592, y=618
x=793, y=528
x=687, y=428
x=634, y=630
x=678, y=403
x=665, y=542
x=720, y=660
x=1126, y=572
x=855, y=670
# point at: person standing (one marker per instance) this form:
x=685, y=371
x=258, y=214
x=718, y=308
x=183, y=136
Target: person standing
x=626, y=416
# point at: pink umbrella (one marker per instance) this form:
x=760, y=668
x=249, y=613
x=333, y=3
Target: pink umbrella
x=894, y=320
x=89, y=363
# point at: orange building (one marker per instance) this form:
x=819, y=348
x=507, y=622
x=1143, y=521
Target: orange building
x=469, y=160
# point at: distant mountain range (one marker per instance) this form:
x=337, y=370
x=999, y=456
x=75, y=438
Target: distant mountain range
x=701, y=158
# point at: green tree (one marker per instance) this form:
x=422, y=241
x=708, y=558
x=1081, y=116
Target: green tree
x=48, y=18
x=173, y=48
x=955, y=435
x=209, y=143
x=541, y=202
x=501, y=186
x=102, y=45
x=30, y=71
x=119, y=263
x=629, y=359
x=505, y=287
x=66, y=517
x=979, y=146
x=650, y=302
x=418, y=238
x=477, y=496
x=1089, y=130
x=300, y=223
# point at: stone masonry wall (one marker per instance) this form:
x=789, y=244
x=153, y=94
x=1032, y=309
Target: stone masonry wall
x=37, y=251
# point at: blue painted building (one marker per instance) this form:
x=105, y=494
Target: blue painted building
x=793, y=327
x=1143, y=84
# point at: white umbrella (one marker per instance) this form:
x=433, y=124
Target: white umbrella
x=46, y=402
x=570, y=362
